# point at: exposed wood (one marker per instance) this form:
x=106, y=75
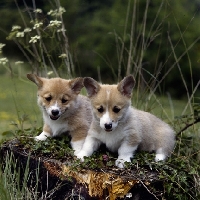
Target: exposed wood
x=57, y=180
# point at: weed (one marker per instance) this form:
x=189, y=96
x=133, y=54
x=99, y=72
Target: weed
x=12, y=187
x=180, y=174
x=32, y=41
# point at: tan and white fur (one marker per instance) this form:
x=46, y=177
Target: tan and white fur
x=64, y=109
x=121, y=127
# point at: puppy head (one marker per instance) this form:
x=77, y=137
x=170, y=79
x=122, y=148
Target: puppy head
x=109, y=102
x=56, y=96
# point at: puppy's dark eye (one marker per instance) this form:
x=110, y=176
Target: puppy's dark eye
x=48, y=98
x=100, y=109
x=64, y=100
x=116, y=109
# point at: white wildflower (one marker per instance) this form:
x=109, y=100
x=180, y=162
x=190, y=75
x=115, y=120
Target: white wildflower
x=63, y=55
x=1, y=47
x=61, y=30
x=34, y=39
x=15, y=28
x=50, y=72
x=3, y=61
x=52, y=13
x=38, y=10
x=61, y=10
x=37, y=25
x=20, y=34
x=57, y=12
x=55, y=23
x=26, y=30
x=19, y=62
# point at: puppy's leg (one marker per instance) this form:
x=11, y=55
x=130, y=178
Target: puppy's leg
x=45, y=133
x=78, y=137
x=77, y=145
x=160, y=155
x=166, y=144
x=90, y=145
x=125, y=153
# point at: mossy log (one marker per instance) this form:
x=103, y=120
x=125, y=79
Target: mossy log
x=59, y=180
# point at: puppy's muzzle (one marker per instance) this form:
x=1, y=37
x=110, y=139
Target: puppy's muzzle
x=55, y=114
x=108, y=127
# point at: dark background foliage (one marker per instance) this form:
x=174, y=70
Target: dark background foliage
x=100, y=30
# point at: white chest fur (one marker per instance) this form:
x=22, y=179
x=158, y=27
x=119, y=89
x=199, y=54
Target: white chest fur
x=57, y=126
x=112, y=139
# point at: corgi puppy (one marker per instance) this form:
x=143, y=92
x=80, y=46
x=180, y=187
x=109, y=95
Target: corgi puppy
x=121, y=127
x=64, y=110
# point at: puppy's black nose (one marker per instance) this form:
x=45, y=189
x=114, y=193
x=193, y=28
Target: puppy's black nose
x=55, y=112
x=108, y=126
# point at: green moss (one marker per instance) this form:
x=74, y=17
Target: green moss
x=179, y=174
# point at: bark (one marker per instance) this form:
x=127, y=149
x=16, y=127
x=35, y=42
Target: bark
x=57, y=180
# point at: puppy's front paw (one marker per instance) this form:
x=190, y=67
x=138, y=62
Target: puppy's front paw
x=160, y=157
x=40, y=138
x=43, y=136
x=120, y=162
x=80, y=155
x=77, y=146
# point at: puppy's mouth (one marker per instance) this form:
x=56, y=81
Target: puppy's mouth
x=108, y=130
x=54, y=117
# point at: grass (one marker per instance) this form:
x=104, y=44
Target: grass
x=9, y=176
x=180, y=173
x=19, y=108
x=18, y=99
x=18, y=103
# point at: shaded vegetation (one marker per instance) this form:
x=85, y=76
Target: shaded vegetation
x=155, y=41
x=180, y=173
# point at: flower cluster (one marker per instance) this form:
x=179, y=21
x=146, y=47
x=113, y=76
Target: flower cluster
x=3, y=61
x=36, y=33
x=16, y=28
x=1, y=46
x=63, y=55
x=19, y=62
x=56, y=12
x=37, y=25
x=61, y=30
x=34, y=39
x=26, y=30
x=20, y=34
x=15, y=33
x=49, y=73
x=54, y=23
x=38, y=10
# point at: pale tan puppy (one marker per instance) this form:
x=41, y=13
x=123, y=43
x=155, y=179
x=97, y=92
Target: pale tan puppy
x=64, y=109
x=121, y=127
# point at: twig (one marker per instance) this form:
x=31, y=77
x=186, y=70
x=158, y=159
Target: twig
x=148, y=190
x=188, y=125
x=131, y=39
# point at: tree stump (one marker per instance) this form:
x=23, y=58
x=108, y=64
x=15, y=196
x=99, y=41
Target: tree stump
x=59, y=180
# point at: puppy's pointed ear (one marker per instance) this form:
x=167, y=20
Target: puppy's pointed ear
x=76, y=84
x=91, y=86
x=126, y=86
x=36, y=79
